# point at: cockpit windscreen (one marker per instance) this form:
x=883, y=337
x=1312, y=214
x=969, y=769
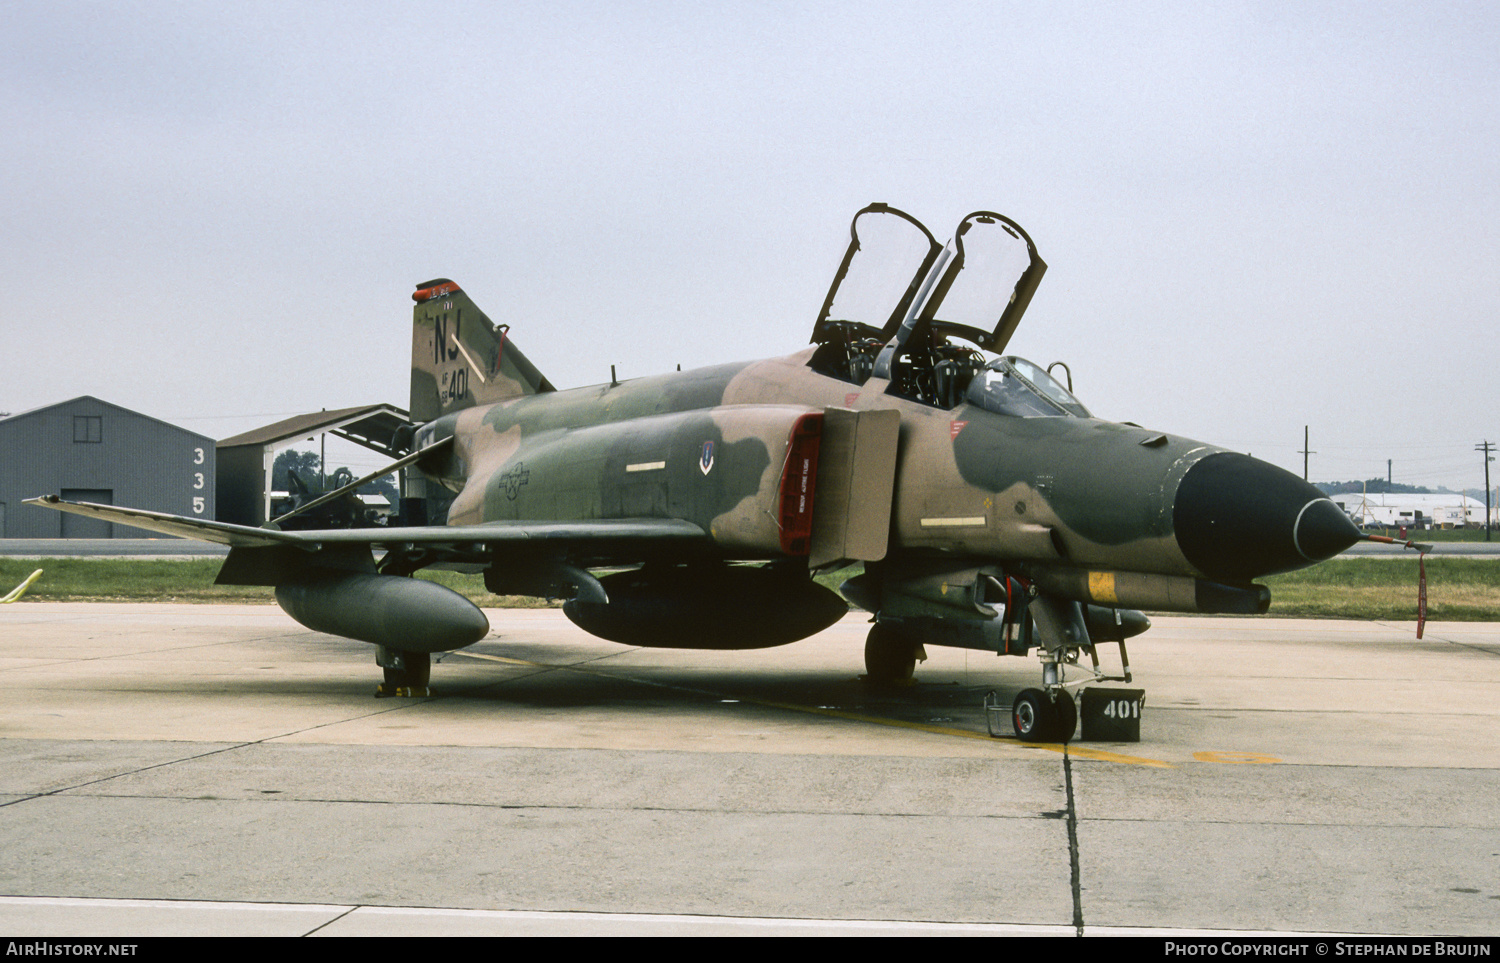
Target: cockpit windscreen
x=1015, y=386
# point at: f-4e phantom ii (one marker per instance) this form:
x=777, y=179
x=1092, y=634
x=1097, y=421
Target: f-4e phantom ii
x=987, y=508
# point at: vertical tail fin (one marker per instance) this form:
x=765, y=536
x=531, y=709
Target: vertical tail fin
x=459, y=358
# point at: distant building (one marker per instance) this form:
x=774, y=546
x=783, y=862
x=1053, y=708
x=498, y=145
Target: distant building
x=1394, y=510
x=92, y=451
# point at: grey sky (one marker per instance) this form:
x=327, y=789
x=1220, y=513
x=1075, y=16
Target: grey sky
x=1256, y=216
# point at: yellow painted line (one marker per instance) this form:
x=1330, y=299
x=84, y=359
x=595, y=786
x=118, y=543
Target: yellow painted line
x=1234, y=757
x=1078, y=752
x=525, y=662
x=1102, y=755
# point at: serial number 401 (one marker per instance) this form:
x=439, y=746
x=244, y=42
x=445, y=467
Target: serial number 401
x=1123, y=709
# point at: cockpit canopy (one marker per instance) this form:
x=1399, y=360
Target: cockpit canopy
x=896, y=276
x=916, y=313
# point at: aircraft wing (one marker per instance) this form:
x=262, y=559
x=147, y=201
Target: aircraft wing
x=582, y=532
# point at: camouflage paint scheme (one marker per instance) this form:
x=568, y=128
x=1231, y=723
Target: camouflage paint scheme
x=565, y=455
x=988, y=508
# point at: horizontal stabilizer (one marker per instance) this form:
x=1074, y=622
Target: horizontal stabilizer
x=222, y=533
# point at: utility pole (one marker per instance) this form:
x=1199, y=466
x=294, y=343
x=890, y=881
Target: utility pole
x=1305, y=453
x=1486, y=447
x=323, y=460
x=1387, y=471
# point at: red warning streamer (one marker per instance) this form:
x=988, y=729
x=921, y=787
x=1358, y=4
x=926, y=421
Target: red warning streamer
x=1422, y=549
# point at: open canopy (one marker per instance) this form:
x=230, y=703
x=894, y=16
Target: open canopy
x=912, y=312
x=895, y=278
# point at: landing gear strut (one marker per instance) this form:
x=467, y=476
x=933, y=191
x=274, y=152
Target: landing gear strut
x=406, y=673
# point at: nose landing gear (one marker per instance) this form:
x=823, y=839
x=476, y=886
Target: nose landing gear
x=1039, y=716
x=1050, y=714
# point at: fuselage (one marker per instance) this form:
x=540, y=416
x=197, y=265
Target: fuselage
x=709, y=445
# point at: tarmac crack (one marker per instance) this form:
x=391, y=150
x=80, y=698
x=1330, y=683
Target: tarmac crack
x=329, y=922
x=128, y=772
x=138, y=653
x=1073, y=867
x=195, y=756
x=736, y=812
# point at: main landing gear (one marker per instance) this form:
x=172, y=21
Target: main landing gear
x=407, y=674
x=891, y=656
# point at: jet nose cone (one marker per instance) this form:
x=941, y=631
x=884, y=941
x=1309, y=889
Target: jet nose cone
x=1237, y=519
x=1323, y=530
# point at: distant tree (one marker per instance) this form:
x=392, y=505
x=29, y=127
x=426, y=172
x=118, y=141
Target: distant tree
x=1375, y=486
x=383, y=486
x=305, y=463
x=344, y=475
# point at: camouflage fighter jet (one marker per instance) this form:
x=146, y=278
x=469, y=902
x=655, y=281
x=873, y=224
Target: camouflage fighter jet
x=986, y=507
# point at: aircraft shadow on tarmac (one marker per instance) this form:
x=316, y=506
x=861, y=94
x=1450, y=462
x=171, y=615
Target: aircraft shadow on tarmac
x=543, y=676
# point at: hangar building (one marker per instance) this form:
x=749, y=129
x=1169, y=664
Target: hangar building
x=244, y=491
x=92, y=451
x=1392, y=510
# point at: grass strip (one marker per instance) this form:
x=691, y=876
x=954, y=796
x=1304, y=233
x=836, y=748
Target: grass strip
x=1458, y=589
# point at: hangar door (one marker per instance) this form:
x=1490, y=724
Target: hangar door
x=78, y=526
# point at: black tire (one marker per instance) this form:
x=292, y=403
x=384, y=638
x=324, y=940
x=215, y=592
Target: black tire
x=890, y=656
x=1065, y=717
x=1033, y=715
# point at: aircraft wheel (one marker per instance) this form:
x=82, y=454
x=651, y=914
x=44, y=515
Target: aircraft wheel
x=1033, y=715
x=1065, y=718
x=889, y=655
x=410, y=678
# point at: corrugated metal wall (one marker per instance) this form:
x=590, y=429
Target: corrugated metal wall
x=142, y=462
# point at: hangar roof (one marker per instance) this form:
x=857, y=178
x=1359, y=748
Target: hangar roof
x=90, y=399
x=370, y=425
